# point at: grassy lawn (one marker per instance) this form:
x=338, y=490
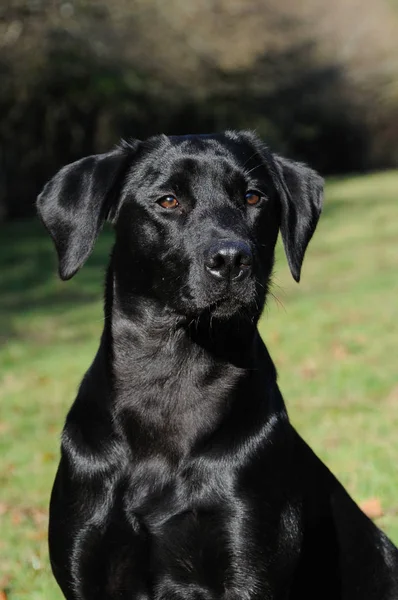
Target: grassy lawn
x=334, y=340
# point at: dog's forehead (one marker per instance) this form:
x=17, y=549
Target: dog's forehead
x=213, y=156
x=211, y=146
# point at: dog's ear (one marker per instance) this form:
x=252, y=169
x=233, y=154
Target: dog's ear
x=75, y=203
x=301, y=194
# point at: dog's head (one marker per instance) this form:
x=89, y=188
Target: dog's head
x=196, y=218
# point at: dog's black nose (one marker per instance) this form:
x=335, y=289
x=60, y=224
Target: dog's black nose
x=229, y=260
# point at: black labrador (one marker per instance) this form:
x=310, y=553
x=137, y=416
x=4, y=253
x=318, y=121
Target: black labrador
x=181, y=476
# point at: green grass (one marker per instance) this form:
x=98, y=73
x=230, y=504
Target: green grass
x=334, y=340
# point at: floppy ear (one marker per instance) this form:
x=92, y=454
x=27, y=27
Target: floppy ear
x=301, y=194
x=75, y=203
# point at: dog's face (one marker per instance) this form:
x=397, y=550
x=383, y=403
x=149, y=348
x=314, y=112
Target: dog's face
x=196, y=218
x=197, y=225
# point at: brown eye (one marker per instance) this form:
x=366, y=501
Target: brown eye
x=252, y=198
x=168, y=202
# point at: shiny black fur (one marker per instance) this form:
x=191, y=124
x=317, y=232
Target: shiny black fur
x=181, y=476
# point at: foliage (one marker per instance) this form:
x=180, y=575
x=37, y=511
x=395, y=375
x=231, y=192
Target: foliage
x=317, y=80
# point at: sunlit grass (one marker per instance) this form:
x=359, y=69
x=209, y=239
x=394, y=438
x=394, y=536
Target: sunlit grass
x=334, y=341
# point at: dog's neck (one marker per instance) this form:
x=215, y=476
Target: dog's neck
x=176, y=377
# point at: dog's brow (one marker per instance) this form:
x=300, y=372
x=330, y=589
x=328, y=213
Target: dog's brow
x=152, y=173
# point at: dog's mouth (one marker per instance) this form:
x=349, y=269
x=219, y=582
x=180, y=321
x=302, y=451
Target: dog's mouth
x=222, y=303
x=224, y=307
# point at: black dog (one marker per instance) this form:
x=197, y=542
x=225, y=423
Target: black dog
x=181, y=476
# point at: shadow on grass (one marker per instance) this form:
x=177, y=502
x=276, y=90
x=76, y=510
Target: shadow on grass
x=29, y=282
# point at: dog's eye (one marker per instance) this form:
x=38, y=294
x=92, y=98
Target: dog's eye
x=168, y=202
x=252, y=198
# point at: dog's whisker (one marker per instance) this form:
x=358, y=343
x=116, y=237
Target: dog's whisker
x=247, y=173
x=277, y=300
x=250, y=158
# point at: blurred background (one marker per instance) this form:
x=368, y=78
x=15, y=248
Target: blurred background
x=319, y=82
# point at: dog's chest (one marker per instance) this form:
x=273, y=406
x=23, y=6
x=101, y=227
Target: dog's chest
x=196, y=537
x=172, y=414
